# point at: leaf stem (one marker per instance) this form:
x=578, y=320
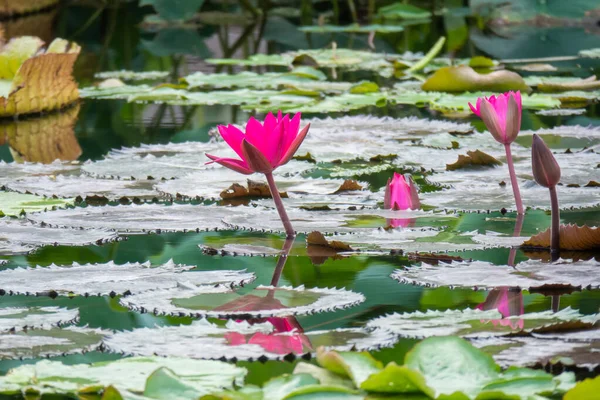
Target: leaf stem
x=279, y=204
x=555, y=227
x=513, y=179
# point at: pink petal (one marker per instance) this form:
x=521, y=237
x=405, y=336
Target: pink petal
x=232, y=136
x=400, y=193
x=270, y=122
x=232, y=163
x=235, y=338
x=475, y=109
x=291, y=132
x=276, y=150
x=255, y=134
x=289, y=153
x=256, y=160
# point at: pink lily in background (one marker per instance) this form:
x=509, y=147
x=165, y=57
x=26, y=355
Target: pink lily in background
x=502, y=116
x=401, y=194
x=262, y=148
x=508, y=302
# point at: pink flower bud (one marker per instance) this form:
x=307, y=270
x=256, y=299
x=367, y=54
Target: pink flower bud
x=501, y=115
x=401, y=193
x=546, y=170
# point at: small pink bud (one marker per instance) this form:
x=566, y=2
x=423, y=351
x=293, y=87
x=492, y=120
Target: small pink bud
x=546, y=170
x=501, y=115
x=401, y=193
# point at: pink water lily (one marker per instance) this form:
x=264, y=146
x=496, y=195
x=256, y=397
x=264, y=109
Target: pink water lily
x=509, y=303
x=401, y=193
x=501, y=114
x=287, y=337
x=263, y=147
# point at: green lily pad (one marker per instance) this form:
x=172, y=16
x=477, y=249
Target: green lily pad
x=354, y=28
x=126, y=75
x=402, y=11
x=23, y=318
x=465, y=79
x=14, y=204
x=356, y=366
x=584, y=389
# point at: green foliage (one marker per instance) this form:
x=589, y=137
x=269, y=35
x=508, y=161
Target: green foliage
x=173, y=10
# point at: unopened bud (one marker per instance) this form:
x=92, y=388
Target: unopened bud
x=546, y=170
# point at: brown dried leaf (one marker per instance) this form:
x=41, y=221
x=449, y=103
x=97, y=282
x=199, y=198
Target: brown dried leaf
x=24, y=6
x=433, y=259
x=234, y=191
x=307, y=157
x=349, y=185
x=255, y=189
x=592, y=184
x=572, y=237
x=316, y=238
x=42, y=83
x=473, y=158
x=43, y=139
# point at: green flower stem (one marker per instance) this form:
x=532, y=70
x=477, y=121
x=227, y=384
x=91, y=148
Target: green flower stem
x=517, y=232
x=513, y=179
x=555, y=227
x=287, y=246
x=279, y=204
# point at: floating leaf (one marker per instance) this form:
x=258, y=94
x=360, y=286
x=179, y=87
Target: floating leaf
x=83, y=186
x=353, y=28
x=356, y=366
x=238, y=341
x=470, y=323
x=316, y=238
x=15, y=203
x=403, y=11
x=590, y=53
x=23, y=318
x=43, y=82
x=585, y=389
x=477, y=157
x=19, y=236
x=463, y=78
x=132, y=75
x=127, y=374
x=264, y=301
x=10, y=172
x=590, y=83
x=572, y=237
x=562, y=112
x=136, y=219
x=35, y=343
x=349, y=185
x=113, y=279
x=526, y=275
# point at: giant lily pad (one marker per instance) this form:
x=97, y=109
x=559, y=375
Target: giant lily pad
x=129, y=374
x=239, y=340
x=19, y=236
x=264, y=301
x=37, y=81
x=73, y=186
x=142, y=218
x=13, y=171
x=526, y=275
x=114, y=279
x=470, y=323
x=23, y=318
x=463, y=78
x=35, y=343
x=15, y=204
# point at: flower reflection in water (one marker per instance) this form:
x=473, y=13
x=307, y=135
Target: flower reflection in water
x=287, y=335
x=509, y=302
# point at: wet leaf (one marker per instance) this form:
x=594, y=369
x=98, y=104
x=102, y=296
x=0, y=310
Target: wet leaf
x=590, y=83
x=316, y=238
x=262, y=302
x=572, y=237
x=526, y=275
x=14, y=204
x=128, y=375
x=465, y=79
x=113, y=279
x=23, y=318
x=473, y=158
x=474, y=323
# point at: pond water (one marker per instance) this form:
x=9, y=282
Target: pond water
x=127, y=37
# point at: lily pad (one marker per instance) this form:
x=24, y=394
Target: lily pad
x=562, y=112
x=20, y=236
x=572, y=237
x=41, y=81
x=353, y=28
x=13, y=171
x=14, y=204
x=484, y=275
x=73, y=186
x=128, y=374
x=113, y=279
x=35, y=343
x=238, y=341
x=264, y=301
x=463, y=78
x=132, y=75
x=469, y=323
x=24, y=318
x=138, y=219
x=403, y=11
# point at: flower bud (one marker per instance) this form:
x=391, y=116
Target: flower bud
x=546, y=170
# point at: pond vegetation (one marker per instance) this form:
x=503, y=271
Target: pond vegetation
x=207, y=199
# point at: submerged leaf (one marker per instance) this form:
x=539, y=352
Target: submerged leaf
x=473, y=158
x=463, y=78
x=572, y=237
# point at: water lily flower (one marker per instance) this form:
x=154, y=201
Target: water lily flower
x=502, y=116
x=509, y=303
x=546, y=172
x=401, y=193
x=262, y=148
